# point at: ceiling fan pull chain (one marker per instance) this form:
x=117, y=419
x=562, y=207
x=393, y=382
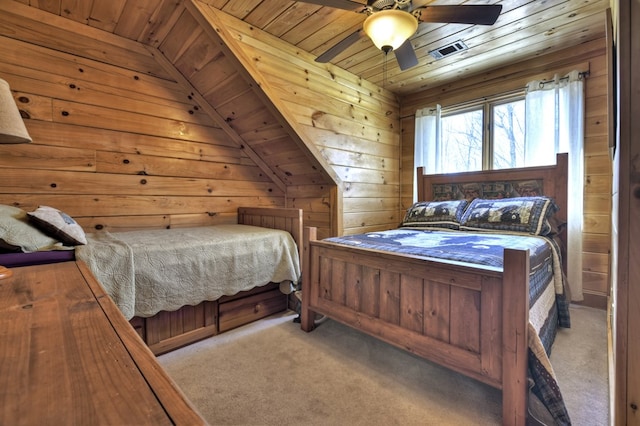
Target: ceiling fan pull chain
x=384, y=67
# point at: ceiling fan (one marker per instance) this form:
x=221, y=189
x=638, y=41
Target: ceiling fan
x=390, y=23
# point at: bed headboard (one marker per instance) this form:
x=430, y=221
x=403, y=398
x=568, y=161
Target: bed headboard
x=506, y=183
x=287, y=219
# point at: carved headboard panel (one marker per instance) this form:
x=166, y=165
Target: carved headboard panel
x=487, y=190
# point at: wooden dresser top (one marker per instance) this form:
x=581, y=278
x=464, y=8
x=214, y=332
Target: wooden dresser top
x=67, y=356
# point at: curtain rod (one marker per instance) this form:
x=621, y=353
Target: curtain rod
x=581, y=75
x=505, y=95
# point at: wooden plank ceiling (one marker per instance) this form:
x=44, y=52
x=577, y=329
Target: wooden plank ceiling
x=525, y=29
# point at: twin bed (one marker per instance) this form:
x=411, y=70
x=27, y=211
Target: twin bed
x=489, y=313
x=177, y=286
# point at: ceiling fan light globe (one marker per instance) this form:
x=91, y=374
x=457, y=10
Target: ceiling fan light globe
x=390, y=28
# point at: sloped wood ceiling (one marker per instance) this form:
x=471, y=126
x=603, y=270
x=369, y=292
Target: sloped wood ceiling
x=215, y=75
x=239, y=105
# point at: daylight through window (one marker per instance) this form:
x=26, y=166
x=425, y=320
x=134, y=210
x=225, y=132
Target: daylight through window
x=487, y=135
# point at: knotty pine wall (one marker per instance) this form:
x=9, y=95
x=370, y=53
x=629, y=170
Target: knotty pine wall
x=117, y=143
x=598, y=170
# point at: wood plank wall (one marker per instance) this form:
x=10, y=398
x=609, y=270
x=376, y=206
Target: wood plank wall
x=598, y=168
x=118, y=143
x=352, y=124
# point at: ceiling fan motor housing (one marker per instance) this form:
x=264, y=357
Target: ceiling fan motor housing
x=389, y=4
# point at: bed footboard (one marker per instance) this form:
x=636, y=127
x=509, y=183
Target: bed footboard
x=470, y=319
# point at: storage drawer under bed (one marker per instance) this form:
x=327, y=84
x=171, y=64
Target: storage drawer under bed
x=167, y=331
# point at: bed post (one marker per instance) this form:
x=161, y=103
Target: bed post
x=420, y=190
x=307, y=316
x=515, y=304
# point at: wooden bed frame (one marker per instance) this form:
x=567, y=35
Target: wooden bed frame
x=459, y=316
x=166, y=331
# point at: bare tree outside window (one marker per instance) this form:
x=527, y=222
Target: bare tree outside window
x=462, y=137
x=508, y=135
x=462, y=142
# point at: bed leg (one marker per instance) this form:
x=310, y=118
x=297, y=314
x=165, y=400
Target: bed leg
x=306, y=315
x=515, y=305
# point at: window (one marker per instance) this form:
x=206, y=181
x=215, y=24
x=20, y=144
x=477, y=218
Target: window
x=520, y=129
x=486, y=135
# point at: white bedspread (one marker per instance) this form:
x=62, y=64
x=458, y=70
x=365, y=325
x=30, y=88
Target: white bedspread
x=149, y=271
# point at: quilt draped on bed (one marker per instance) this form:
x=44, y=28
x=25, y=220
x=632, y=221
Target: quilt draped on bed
x=548, y=306
x=149, y=271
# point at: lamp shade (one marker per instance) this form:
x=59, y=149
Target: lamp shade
x=388, y=29
x=12, y=128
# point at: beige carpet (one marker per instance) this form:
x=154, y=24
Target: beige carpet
x=272, y=373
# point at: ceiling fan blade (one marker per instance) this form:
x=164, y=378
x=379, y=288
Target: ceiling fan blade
x=340, y=46
x=406, y=56
x=338, y=4
x=481, y=14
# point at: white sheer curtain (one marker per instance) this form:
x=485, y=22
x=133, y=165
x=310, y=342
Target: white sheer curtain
x=555, y=123
x=427, y=144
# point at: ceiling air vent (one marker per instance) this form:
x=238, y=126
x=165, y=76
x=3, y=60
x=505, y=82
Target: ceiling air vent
x=450, y=49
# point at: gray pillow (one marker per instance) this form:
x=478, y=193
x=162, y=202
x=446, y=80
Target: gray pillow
x=16, y=230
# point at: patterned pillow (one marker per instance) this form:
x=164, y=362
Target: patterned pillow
x=520, y=215
x=435, y=214
x=58, y=225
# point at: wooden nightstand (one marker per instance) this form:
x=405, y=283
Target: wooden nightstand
x=68, y=356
